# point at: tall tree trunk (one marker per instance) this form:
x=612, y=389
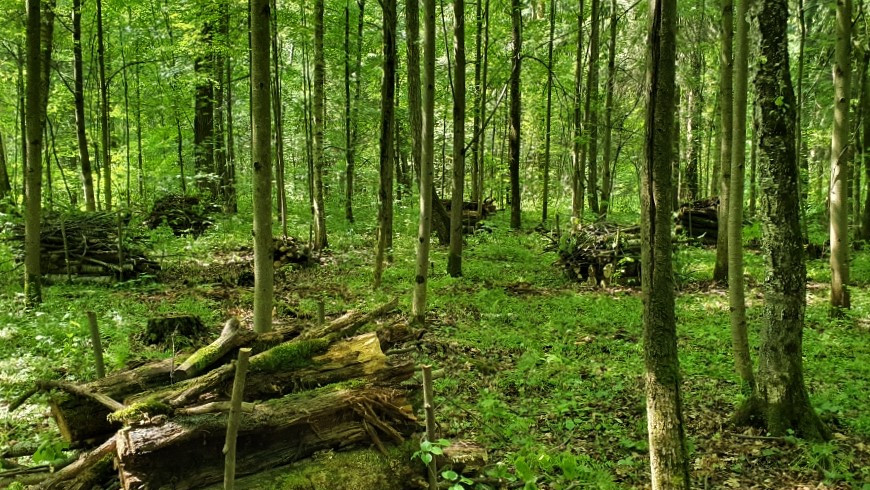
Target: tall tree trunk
x=694, y=103
x=591, y=123
x=549, y=112
x=412, y=34
x=223, y=79
x=803, y=162
x=606, y=177
x=320, y=241
x=348, y=140
x=388, y=93
x=515, y=111
x=279, y=122
x=475, y=127
x=261, y=135
x=736, y=299
x=720, y=270
x=753, y=159
x=22, y=116
x=427, y=165
x=676, y=175
x=668, y=453
x=781, y=398
x=203, y=120
x=33, y=175
x=104, y=111
x=79, y=98
x=579, y=169
x=126, y=85
x=839, y=199
x=481, y=148
x=5, y=187
x=454, y=255
x=139, y=159
x=228, y=178
x=865, y=153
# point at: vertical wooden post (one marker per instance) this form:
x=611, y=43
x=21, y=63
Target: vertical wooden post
x=429, y=407
x=321, y=314
x=234, y=417
x=96, y=344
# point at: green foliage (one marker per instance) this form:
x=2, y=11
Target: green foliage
x=428, y=450
x=50, y=449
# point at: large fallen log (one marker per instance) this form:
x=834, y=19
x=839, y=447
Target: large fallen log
x=185, y=452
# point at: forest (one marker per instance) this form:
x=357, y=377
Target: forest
x=435, y=244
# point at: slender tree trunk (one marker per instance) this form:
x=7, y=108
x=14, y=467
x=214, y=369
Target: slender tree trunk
x=475, y=127
x=576, y=150
x=223, y=105
x=753, y=159
x=679, y=186
x=79, y=98
x=781, y=398
x=388, y=92
x=737, y=302
x=320, y=241
x=126, y=113
x=33, y=175
x=179, y=150
x=5, y=186
x=865, y=153
x=104, y=111
x=481, y=149
x=348, y=141
x=839, y=199
x=281, y=193
x=139, y=159
x=454, y=255
x=668, y=453
x=228, y=179
x=261, y=135
x=515, y=111
x=720, y=270
x=803, y=162
x=591, y=123
x=549, y=111
x=694, y=103
x=427, y=165
x=412, y=34
x=22, y=126
x=606, y=177
x=203, y=121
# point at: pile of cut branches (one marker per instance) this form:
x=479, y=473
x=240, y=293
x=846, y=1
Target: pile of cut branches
x=236, y=268
x=472, y=216
x=599, y=253
x=95, y=244
x=699, y=219
x=310, y=387
x=185, y=215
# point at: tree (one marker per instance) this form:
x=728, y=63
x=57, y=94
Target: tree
x=204, y=101
x=549, y=115
x=606, y=176
x=515, y=111
x=33, y=179
x=839, y=189
x=387, y=154
x=320, y=241
x=5, y=186
x=412, y=34
x=865, y=153
x=739, y=338
x=780, y=400
x=591, y=123
x=720, y=271
x=454, y=255
x=668, y=454
x=261, y=135
x=104, y=111
x=427, y=167
x=579, y=170
x=79, y=97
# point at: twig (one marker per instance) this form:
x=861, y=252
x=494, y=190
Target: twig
x=23, y=398
x=234, y=418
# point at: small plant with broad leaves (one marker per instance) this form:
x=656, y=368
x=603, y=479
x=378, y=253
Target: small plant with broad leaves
x=456, y=481
x=428, y=450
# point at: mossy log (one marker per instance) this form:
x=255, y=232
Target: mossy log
x=90, y=471
x=185, y=452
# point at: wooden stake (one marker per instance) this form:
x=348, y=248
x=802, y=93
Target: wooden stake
x=429, y=407
x=97, y=344
x=234, y=418
x=321, y=315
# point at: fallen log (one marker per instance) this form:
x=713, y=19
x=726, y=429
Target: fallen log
x=87, y=472
x=185, y=452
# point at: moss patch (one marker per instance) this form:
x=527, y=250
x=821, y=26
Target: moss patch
x=291, y=355
x=136, y=411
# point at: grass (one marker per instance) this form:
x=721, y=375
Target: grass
x=547, y=374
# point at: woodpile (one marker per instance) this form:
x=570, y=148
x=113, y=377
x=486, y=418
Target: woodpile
x=94, y=245
x=600, y=253
x=309, y=388
x=236, y=268
x=472, y=215
x=700, y=220
x=185, y=215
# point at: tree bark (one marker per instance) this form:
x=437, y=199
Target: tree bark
x=865, y=153
x=515, y=111
x=668, y=453
x=5, y=186
x=579, y=169
x=348, y=118
x=720, y=270
x=454, y=255
x=261, y=134
x=33, y=175
x=736, y=299
x=412, y=34
x=277, y=110
x=606, y=177
x=320, y=241
x=840, y=152
x=387, y=154
x=591, y=123
x=79, y=98
x=104, y=111
x=781, y=398
x=203, y=120
x=427, y=165
x=549, y=113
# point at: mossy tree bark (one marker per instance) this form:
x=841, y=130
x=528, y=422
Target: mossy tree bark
x=454, y=255
x=840, y=152
x=736, y=299
x=33, y=175
x=427, y=165
x=261, y=134
x=515, y=111
x=668, y=454
x=720, y=270
x=781, y=399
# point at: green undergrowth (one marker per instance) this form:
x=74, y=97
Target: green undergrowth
x=545, y=373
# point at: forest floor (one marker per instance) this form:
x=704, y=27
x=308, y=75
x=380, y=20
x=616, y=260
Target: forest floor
x=545, y=373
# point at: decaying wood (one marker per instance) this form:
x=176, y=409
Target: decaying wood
x=350, y=321
x=232, y=337
x=82, y=391
x=88, y=471
x=185, y=452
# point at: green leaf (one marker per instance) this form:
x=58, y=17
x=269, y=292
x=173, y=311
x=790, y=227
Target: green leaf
x=426, y=457
x=450, y=475
x=436, y=450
